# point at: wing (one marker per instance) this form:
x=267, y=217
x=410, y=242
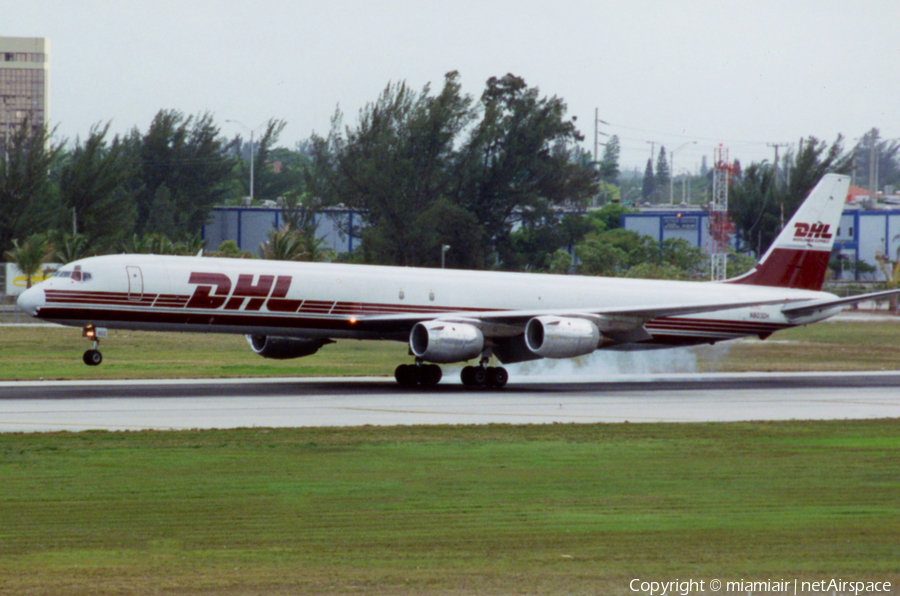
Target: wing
x=623, y=321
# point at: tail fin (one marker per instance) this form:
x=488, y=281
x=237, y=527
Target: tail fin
x=799, y=256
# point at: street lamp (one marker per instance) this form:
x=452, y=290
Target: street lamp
x=444, y=250
x=252, y=160
x=672, y=169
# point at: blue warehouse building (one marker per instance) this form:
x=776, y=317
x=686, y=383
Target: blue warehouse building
x=861, y=236
x=248, y=227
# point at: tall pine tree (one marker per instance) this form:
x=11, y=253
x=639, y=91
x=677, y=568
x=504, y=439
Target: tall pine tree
x=609, y=165
x=648, y=190
x=663, y=177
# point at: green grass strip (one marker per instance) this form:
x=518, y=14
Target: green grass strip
x=555, y=509
x=53, y=352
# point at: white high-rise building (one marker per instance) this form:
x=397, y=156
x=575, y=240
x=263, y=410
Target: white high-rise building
x=24, y=83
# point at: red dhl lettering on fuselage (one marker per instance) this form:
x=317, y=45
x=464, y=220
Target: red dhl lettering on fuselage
x=214, y=290
x=816, y=232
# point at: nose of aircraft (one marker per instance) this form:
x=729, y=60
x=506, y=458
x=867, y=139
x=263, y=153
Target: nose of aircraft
x=31, y=300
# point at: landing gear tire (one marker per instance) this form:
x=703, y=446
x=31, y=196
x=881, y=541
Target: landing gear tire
x=479, y=376
x=93, y=357
x=473, y=376
x=430, y=375
x=496, y=377
x=410, y=375
x=407, y=375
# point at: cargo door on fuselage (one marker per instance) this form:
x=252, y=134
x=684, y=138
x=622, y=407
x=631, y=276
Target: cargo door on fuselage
x=135, y=283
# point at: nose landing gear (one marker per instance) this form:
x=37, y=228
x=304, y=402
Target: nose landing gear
x=93, y=357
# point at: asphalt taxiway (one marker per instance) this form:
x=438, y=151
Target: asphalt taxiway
x=295, y=402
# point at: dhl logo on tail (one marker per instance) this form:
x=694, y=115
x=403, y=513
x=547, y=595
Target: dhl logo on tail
x=817, y=232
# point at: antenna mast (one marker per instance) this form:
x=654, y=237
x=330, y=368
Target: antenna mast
x=719, y=226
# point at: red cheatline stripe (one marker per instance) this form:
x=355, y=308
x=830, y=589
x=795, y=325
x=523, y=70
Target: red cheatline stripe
x=682, y=326
x=307, y=306
x=200, y=320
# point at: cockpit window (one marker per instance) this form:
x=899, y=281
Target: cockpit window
x=76, y=275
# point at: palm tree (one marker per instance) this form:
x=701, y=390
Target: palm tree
x=190, y=246
x=284, y=244
x=152, y=244
x=30, y=255
x=314, y=249
x=891, y=271
x=71, y=247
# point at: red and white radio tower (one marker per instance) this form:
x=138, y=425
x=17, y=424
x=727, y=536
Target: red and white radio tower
x=719, y=226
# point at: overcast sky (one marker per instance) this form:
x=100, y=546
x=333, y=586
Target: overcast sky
x=669, y=72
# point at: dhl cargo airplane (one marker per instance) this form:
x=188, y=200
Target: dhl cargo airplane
x=290, y=309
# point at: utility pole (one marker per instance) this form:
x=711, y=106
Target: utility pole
x=775, y=179
x=252, y=158
x=873, y=169
x=776, y=146
x=597, y=132
x=672, y=169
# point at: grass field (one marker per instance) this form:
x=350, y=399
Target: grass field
x=555, y=509
x=52, y=352
x=552, y=509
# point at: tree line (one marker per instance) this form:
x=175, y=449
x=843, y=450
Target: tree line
x=501, y=179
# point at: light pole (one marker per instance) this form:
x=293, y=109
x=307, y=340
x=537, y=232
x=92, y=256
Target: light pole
x=444, y=250
x=252, y=160
x=685, y=186
x=672, y=169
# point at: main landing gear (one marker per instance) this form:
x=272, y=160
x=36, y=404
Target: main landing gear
x=492, y=377
x=93, y=357
x=429, y=375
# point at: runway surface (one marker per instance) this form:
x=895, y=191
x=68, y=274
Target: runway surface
x=134, y=405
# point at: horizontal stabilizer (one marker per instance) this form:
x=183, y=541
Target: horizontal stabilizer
x=811, y=308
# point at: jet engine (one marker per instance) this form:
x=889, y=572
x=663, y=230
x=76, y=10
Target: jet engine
x=560, y=337
x=442, y=341
x=283, y=348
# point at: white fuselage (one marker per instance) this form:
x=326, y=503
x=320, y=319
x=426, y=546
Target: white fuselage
x=279, y=298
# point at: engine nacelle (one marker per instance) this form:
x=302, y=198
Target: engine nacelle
x=442, y=341
x=561, y=337
x=283, y=348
